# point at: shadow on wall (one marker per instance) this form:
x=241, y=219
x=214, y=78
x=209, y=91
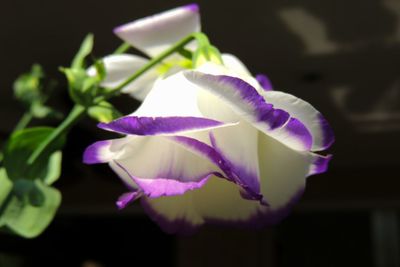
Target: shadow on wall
x=360, y=40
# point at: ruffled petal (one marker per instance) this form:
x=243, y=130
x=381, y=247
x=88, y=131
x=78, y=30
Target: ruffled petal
x=160, y=167
x=264, y=82
x=153, y=34
x=121, y=67
x=322, y=133
x=251, y=106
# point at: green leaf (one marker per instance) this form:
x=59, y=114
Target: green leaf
x=5, y=186
x=54, y=168
x=85, y=49
x=82, y=87
x=19, y=148
x=28, y=220
x=104, y=112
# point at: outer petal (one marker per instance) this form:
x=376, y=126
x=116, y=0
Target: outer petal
x=133, y=125
x=231, y=62
x=121, y=67
x=322, y=133
x=160, y=167
x=283, y=173
x=154, y=34
x=248, y=104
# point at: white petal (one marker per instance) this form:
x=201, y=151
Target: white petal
x=283, y=173
x=121, y=67
x=234, y=64
x=154, y=34
x=319, y=128
x=172, y=96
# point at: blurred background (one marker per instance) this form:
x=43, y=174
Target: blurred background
x=341, y=56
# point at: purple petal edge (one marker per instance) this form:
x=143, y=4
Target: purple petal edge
x=127, y=198
x=320, y=164
x=264, y=81
x=262, y=219
x=233, y=173
x=133, y=125
x=192, y=7
x=253, y=105
x=92, y=154
x=327, y=132
x=248, y=181
x=162, y=186
x=178, y=226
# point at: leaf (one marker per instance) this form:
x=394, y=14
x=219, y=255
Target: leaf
x=54, y=168
x=82, y=87
x=5, y=186
x=104, y=112
x=27, y=220
x=19, y=148
x=85, y=49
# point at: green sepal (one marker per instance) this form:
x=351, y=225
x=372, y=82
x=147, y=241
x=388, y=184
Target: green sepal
x=27, y=220
x=207, y=54
x=86, y=48
x=104, y=112
x=19, y=148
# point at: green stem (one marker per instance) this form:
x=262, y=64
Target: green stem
x=74, y=116
x=179, y=45
x=122, y=49
x=24, y=121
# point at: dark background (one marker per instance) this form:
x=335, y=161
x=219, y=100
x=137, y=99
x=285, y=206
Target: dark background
x=342, y=56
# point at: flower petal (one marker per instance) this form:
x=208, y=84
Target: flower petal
x=160, y=167
x=322, y=133
x=241, y=155
x=133, y=125
x=127, y=198
x=248, y=104
x=283, y=173
x=153, y=34
x=234, y=64
x=121, y=67
x=174, y=214
x=264, y=81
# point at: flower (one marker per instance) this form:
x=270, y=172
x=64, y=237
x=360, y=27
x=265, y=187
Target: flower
x=212, y=144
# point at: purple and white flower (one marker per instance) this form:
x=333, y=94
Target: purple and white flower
x=212, y=144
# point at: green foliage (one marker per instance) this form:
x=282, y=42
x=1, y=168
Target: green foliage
x=30, y=218
x=104, y=112
x=84, y=88
x=5, y=186
x=86, y=48
x=30, y=90
x=21, y=145
x=27, y=202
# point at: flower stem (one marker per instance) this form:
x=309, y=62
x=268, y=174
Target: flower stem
x=73, y=117
x=153, y=62
x=24, y=121
x=122, y=49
